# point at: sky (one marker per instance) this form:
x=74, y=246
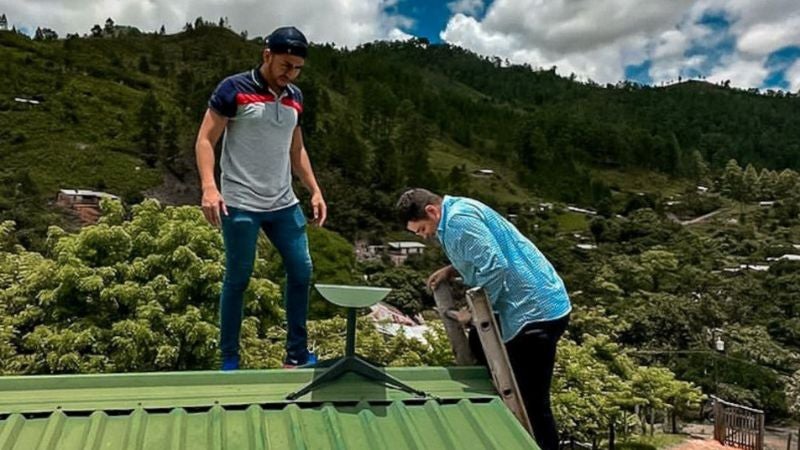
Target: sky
x=750, y=43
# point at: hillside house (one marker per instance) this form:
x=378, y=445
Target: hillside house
x=483, y=173
x=85, y=203
x=399, y=251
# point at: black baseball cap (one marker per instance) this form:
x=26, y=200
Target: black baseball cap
x=288, y=40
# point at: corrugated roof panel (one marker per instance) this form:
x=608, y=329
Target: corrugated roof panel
x=396, y=425
x=46, y=393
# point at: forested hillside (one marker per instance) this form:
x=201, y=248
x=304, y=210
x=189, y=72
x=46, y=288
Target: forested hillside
x=120, y=109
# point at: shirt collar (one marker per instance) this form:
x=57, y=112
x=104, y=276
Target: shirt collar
x=259, y=80
x=443, y=216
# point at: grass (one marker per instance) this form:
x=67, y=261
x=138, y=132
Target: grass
x=501, y=187
x=82, y=134
x=639, y=180
x=570, y=222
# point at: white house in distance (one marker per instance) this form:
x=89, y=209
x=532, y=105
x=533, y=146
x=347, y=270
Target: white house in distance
x=575, y=209
x=484, y=173
x=398, y=251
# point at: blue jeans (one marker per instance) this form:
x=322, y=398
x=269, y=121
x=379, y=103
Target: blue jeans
x=286, y=229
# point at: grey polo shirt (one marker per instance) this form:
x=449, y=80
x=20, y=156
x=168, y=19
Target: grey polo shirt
x=256, y=166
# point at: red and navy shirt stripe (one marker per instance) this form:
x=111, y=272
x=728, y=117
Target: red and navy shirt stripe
x=250, y=87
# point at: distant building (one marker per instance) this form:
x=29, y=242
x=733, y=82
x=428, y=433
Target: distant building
x=767, y=204
x=486, y=173
x=85, y=203
x=391, y=321
x=755, y=267
x=588, y=212
x=399, y=251
x=384, y=312
x=702, y=189
x=367, y=252
x=26, y=100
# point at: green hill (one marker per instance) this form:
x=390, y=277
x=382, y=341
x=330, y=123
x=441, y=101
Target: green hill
x=118, y=113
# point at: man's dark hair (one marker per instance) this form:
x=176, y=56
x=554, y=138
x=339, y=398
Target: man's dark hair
x=412, y=203
x=287, y=40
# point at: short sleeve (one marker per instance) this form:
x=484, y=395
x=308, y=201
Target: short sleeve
x=223, y=99
x=298, y=97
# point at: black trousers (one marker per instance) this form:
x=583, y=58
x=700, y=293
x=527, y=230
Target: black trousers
x=532, y=354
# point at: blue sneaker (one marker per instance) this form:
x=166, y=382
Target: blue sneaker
x=291, y=363
x=230, y=363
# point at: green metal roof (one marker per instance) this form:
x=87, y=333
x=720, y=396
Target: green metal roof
x=247, y=410
x=44, y=393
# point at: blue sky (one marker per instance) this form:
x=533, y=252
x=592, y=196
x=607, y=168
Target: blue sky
x=429, y=17
x=747, y=43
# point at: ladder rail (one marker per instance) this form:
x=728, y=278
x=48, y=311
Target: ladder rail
x=496, y=355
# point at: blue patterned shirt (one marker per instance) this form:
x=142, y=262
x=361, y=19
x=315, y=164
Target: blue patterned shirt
x=488, y=251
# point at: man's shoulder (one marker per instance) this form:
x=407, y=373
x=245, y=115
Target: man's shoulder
x=242, y=81
x=460, y=212
x=463, y=206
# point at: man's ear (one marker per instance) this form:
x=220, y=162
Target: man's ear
x=431, y=211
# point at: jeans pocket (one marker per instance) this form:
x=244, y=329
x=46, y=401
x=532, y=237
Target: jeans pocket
x=299, y=217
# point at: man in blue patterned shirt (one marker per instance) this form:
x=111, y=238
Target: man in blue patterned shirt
x=526, y=293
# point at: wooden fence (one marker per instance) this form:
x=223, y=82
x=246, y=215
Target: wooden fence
x=738, y=426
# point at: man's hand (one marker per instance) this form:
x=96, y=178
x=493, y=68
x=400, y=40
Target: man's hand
x=443, y=274
x=320, y=209
x=213, y=204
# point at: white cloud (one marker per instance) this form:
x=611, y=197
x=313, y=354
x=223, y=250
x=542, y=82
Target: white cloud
x=344, y=22
x=743, y=73
x=466, y=7
x=793, y=76
x=764, y=38
x=397, y=34
x=598, y=38
x=591, y=38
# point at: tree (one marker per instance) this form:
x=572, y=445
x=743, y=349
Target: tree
x=171, y=148
x=96, y=31
x=793, y=394
x=149, y=123
x=109, y=27
x=751, y=186
x=768, y=183
x=412, y=140
x=733, y=181
x=787, y=182
x=162, y=31
x=144, y=64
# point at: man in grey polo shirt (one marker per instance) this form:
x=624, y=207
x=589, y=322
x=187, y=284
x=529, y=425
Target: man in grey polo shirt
x=259, y=112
